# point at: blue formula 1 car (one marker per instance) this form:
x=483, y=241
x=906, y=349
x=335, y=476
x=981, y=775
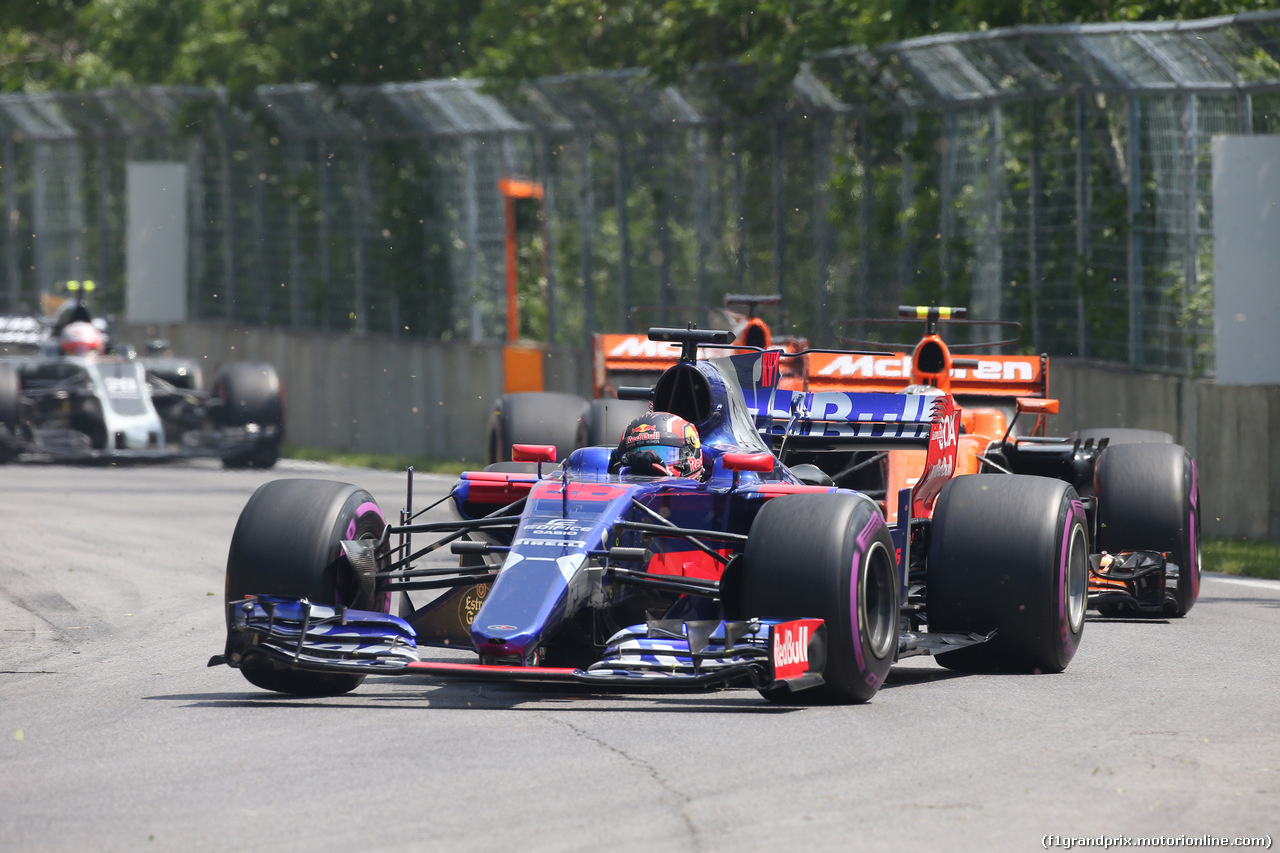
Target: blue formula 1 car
x=745, y=576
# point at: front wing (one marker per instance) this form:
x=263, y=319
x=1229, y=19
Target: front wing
x=663, y=654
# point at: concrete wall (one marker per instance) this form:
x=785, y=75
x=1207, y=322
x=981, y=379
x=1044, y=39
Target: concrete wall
x=366, y=393
x=1232, y=430
x=380, y=395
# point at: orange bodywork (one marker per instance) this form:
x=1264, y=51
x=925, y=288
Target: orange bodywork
x=1009, y=381
x=522, y=368
x=903, y=467
x=1000, y=376
x=636, y=354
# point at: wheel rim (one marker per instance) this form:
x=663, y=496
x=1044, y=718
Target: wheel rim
x=877, y=605
x=1077, y=580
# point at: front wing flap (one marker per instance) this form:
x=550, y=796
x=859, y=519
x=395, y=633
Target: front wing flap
x=661, y=654
x=1139, y=582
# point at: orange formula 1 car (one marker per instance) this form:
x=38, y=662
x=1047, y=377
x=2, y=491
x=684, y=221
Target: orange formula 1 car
x=569, y=421
x=1140, y=489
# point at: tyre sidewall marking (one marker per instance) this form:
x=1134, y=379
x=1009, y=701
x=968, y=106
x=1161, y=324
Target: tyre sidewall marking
x=1193, y=543
x=381, y=603
x=1074, y=517
x=862, y=545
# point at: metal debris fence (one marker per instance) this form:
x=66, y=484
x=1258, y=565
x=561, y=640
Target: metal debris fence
x=1057, y=176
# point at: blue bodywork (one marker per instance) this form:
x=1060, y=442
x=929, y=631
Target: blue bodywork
x=599, y=576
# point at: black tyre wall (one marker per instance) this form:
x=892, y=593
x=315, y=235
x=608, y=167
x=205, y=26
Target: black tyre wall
x=538, y=417
x=1117, y=436
x=251, y=394
x=609, y=418
x=10, y=394
x=1009, y=554
x=1149, y=500
x=829, y=557
x=286, y=543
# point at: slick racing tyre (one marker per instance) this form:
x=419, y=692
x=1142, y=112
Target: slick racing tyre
x=250, y=394
x=829, y=557
x=10, y=394
x=1149, y=500
x=609, y=418
x=1008, y=554
x=537, y=417
x=1122, y=436
x=286, y=543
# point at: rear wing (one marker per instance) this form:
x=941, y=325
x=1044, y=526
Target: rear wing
x=640, y=361
x=835, y=419
x=22, y=331
x=830, y=420
x=986, y=375
x=626, y=353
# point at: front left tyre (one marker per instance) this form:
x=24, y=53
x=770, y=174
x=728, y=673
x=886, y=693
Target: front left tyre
x=1008, y=554
x=1149, y=500
x=287, y=543
x=10, y=397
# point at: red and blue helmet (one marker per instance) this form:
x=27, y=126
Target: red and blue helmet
x=661, y=444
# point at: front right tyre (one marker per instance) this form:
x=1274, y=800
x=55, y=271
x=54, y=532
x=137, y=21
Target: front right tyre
x=830, y=557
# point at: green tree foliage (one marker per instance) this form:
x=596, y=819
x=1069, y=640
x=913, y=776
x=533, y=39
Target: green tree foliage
x=66, y=44
x=239, y=44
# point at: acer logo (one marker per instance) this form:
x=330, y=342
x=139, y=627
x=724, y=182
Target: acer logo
x=944, y=433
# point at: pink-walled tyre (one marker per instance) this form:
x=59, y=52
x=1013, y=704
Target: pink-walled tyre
x=829, y=557
x=1009, y=554
x=1149, y=500
x=287, y=543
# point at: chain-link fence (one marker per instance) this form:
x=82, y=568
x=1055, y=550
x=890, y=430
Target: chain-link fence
x=1056, y=176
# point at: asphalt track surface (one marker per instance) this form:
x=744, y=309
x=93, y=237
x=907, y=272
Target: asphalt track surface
x=114, y=735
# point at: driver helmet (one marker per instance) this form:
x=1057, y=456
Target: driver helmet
x=661, y=444
x=81, y=338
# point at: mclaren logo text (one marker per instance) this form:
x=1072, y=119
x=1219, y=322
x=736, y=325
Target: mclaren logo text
x=894, y=367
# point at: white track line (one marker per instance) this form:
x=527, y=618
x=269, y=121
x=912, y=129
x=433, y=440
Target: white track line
x=1257, y=583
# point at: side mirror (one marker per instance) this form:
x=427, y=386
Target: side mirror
x=635, y=392
x=759, y=462
x=533, y=453
x=1037, y=406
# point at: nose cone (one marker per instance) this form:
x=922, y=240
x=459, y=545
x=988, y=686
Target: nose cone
x=526, y=606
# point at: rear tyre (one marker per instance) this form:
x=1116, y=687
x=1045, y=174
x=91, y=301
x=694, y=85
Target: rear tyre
x=513, y=467
x=1009, y=554
x=1149, y=500
x=250, y=394
x=1123, y=436
x=609, y=418
x=286, y=543
x=10, y=394
x=828, y=557
x=537, y=417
